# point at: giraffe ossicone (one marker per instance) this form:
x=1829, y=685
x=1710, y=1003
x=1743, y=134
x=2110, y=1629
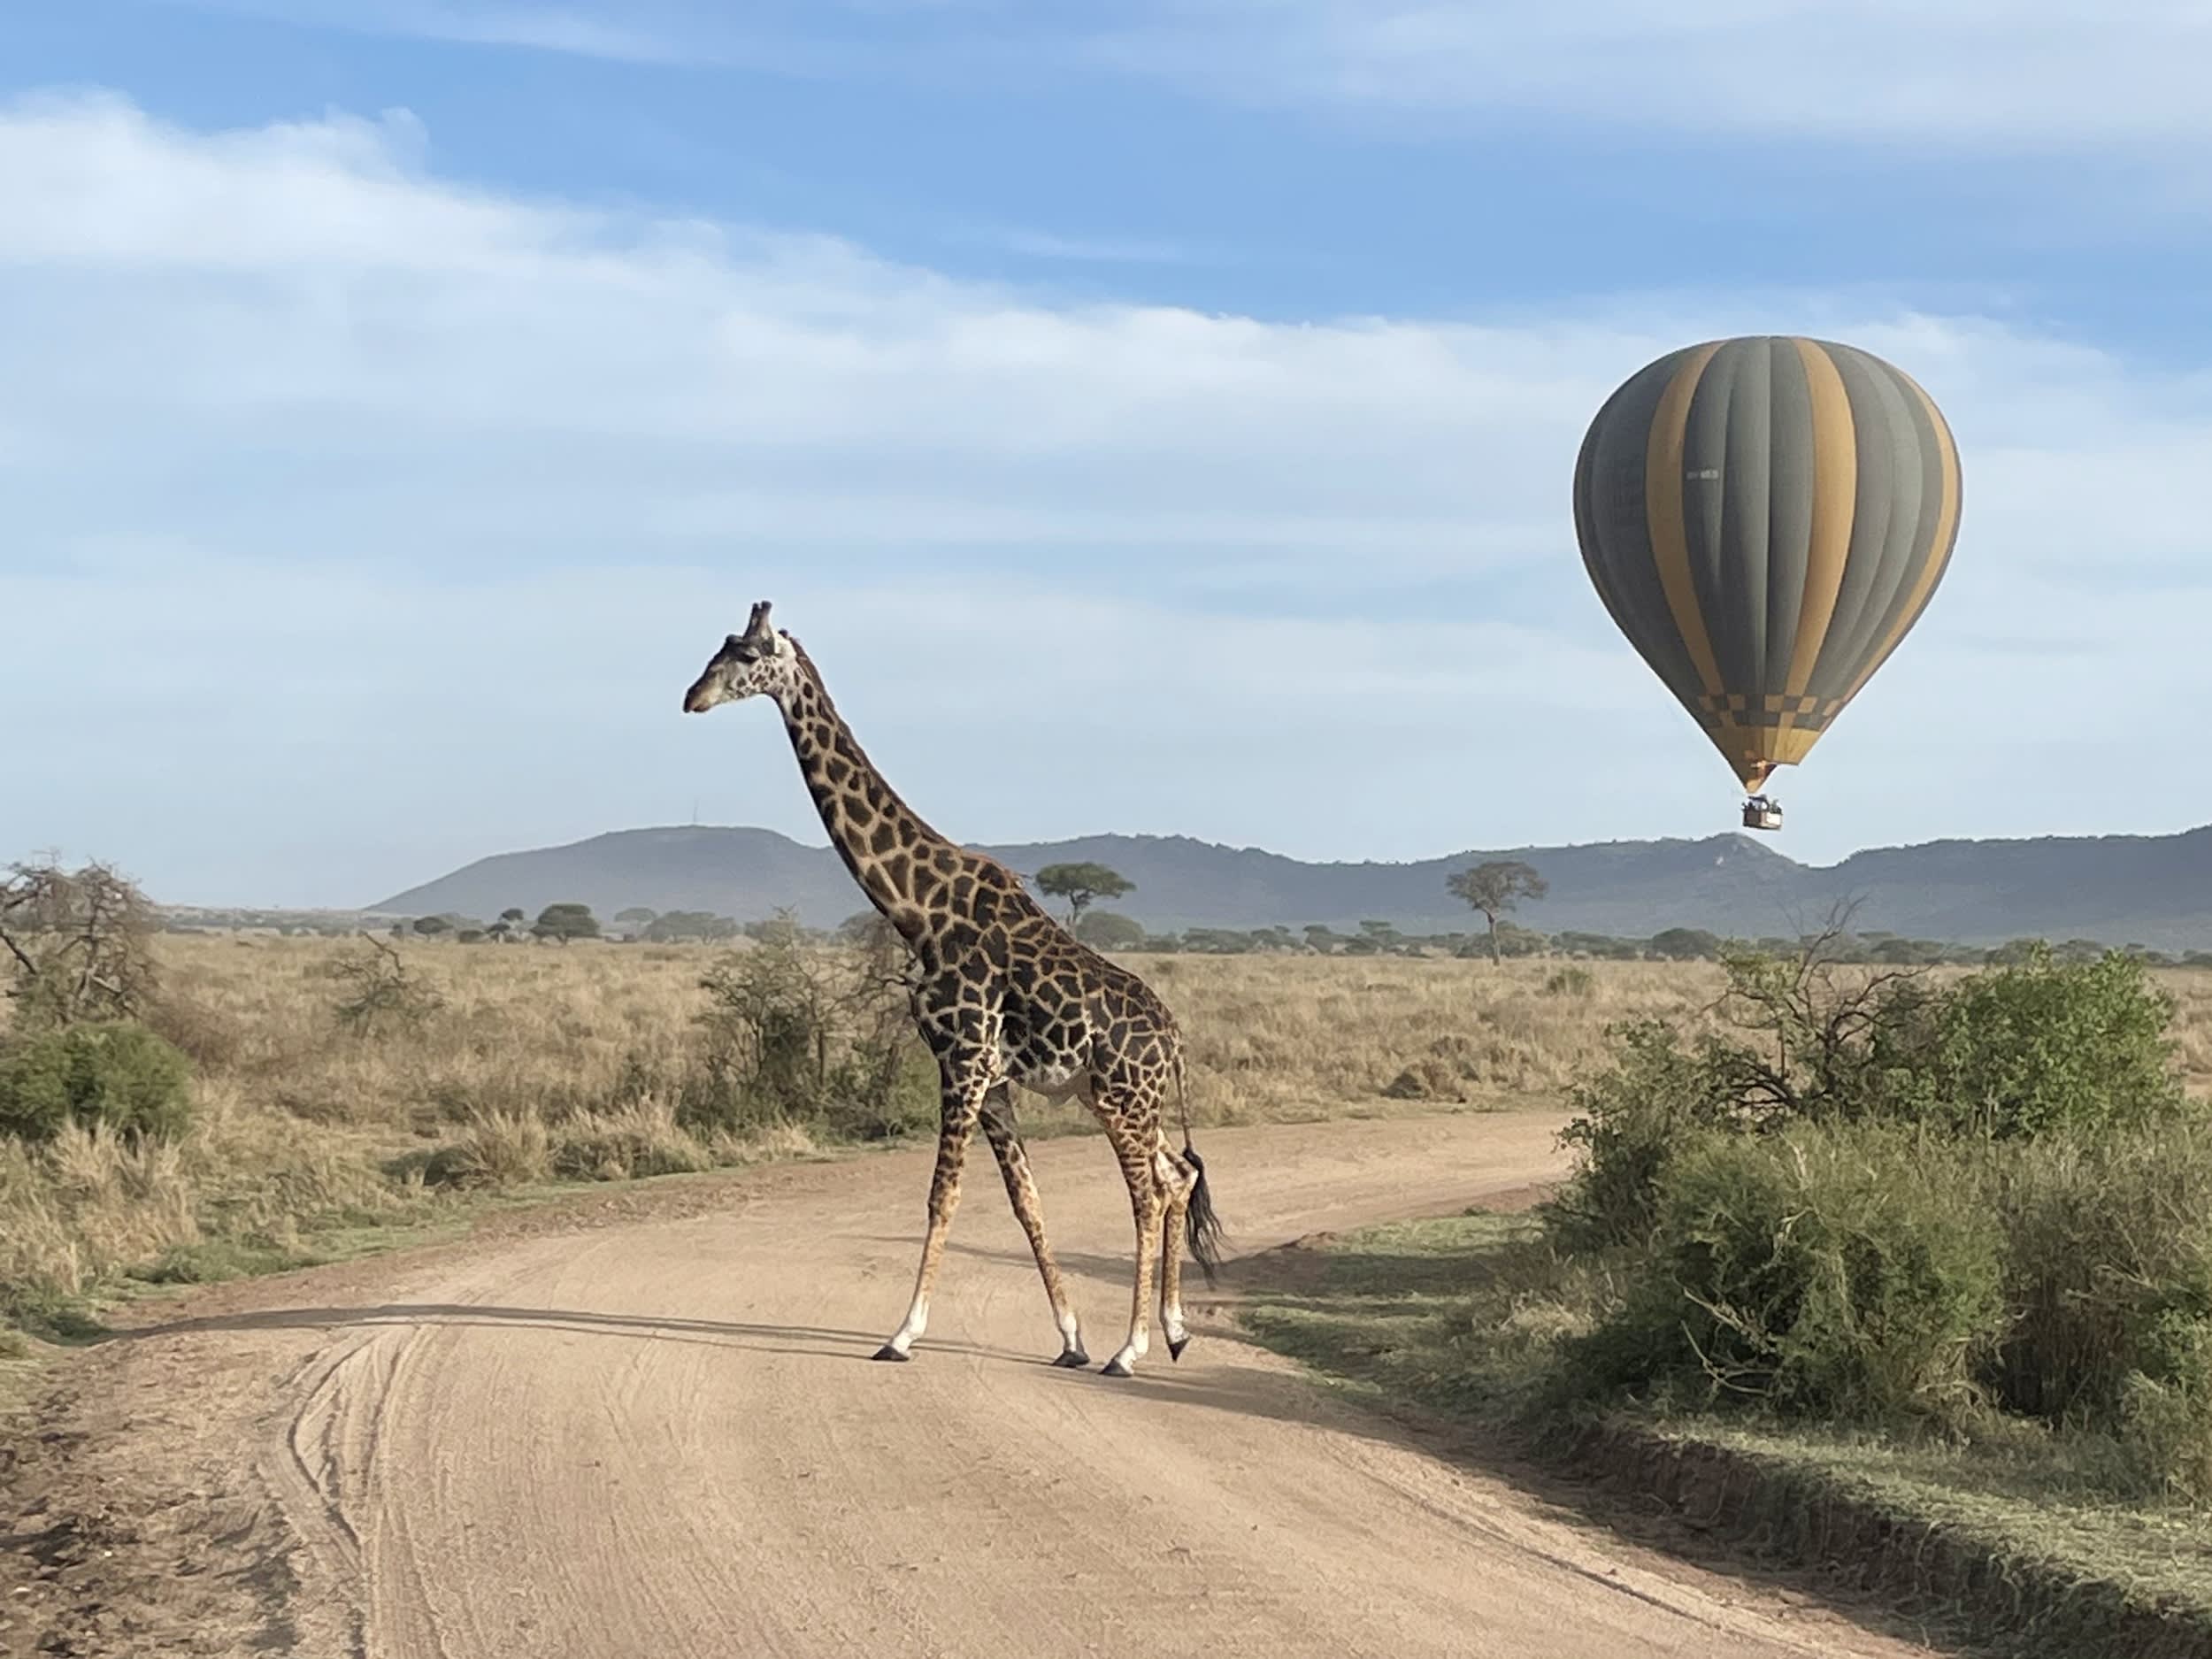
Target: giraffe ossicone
x=1003, y=997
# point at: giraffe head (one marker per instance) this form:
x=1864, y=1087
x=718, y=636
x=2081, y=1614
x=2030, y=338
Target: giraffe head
x=760, y=661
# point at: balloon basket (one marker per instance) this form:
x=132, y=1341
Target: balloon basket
x=1759, y=813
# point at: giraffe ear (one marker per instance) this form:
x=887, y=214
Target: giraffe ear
x=758, y=628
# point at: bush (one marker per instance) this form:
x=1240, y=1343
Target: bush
x=1629, y=1119
x=1822, y=1272
x=495, y=1150
x=802, y=1034
x=640, y=1139
x=381, y=991
x=2043, y=1044
x=1873, y=1197
x=114, y=1074
x=2012, y=1052
x=2108, y=1275
x=75, y=945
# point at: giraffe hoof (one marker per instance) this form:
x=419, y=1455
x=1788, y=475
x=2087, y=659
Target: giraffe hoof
x=1074, y=1359
x=1116, y=1367
x=1175, y=1348
x=888, y=1352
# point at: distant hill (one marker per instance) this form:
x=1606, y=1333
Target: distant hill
x=2151, y=890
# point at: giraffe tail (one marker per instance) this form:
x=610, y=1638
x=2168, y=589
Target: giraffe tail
x=1201, y=1227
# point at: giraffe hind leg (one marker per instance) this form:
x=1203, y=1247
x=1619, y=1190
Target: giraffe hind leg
x=1134, y=1134
x=1177, y=1180
x=1021, y=1191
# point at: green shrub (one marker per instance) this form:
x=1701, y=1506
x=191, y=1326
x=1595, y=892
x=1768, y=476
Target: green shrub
x=1826, y=1272
x=1629, y=1119
x=2042, y=1045
x=796, y=1033
x=2022, y=1050
x=2108, y=1277
x=114, y=1073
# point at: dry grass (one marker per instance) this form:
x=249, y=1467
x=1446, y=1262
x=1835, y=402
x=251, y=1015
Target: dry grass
x=1287, y=1037
x=530, y=1063
x=548, y=1031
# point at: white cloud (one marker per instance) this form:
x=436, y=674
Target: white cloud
x=379, y=521
x=1042, y=244
x=578, y=31
x=2026, y=75
x=2029, y=74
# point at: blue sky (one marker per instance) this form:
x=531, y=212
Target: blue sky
x=1153, y=417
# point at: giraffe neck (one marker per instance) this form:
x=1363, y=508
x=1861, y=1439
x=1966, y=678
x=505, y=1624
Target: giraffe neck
x=880, y=838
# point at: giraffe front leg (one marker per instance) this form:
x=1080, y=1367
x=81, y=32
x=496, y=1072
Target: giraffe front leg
x=963, y=1092
x=1021, y=1192
x=1147, y=1200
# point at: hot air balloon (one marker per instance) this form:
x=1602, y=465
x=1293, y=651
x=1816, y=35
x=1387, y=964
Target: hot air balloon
x=1765, y=518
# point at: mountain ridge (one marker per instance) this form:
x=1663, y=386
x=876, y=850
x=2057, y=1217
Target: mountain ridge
x=2153, y=890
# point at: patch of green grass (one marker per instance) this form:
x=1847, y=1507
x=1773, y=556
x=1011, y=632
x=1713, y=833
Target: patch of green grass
x=2011, y=1537
x=42, y=1314
x=2035, y=1500
x=1462, y=1314
x=215, y=1261
x=38, y=1319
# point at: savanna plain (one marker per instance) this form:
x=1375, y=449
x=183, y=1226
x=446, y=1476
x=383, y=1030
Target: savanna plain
x=1902, y=1280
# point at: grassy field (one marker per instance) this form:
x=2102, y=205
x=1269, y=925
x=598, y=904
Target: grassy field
x=350, y=1095
x=500, y=1067
x=489, y=1068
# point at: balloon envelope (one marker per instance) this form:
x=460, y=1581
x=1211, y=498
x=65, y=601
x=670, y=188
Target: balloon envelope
x=1765, y=518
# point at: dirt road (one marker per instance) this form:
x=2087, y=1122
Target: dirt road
x=665, y=1438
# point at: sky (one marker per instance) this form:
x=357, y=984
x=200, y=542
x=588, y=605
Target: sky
x=1153, y=416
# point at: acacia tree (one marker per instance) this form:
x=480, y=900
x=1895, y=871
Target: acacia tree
x=1081, y=883
x=565, y=922
x=1494, y=888
x=1110, y=930
x=77, y=943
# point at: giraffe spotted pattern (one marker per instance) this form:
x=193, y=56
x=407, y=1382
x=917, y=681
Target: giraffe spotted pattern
x=1002, y=995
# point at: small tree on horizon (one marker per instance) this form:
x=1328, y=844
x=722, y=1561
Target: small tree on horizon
x=1495, y=887
x=565, y=922
x=1082, y=884
x=1110, y=930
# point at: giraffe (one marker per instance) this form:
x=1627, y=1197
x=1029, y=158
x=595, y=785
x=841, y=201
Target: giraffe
x=1002, y=995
